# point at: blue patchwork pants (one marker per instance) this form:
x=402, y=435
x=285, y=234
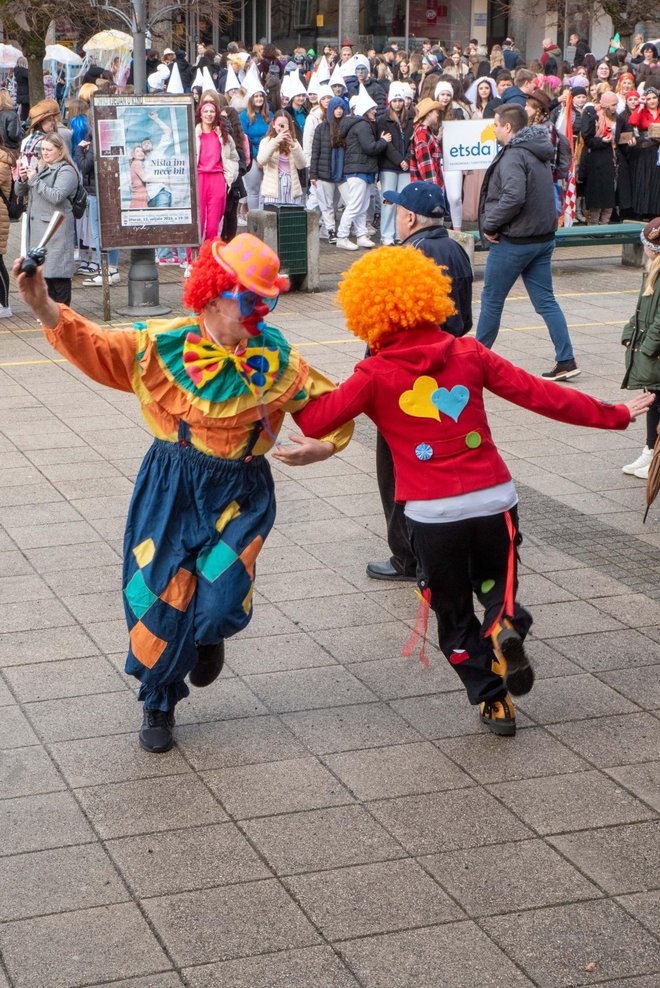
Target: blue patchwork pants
x=195, y=527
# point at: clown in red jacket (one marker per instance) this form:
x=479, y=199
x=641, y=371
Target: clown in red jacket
x=424, y=390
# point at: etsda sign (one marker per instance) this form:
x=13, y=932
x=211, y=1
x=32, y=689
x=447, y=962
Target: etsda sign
x=468, y=145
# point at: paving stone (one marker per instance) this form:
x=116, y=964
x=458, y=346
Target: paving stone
x=57, y=881
x=635, y=609
x=84, y=580
x=457, y=954
x=549, y=663
x=306, y=584
x=77, y=948
x=570, y=802
x=276, y=653
x=571, y=618
x=535, y=753
x=326, y=838
x=109, y=636
x=162, y=980
x=621, y=859
x=49, y=645
x=641, y=685
x=555, y=945
x=68, y=678
x=446, y=821
x=393, y=679
x=288, y=969
x=38, y=822
x=28, y=771
x=278, y=560
x=360, y=644
x=645, y=906
x=6, y=699
x=30, y=615
x=372, y=898
x=229, y=698
x=642, y=780
x=535, y=876
x=185, y=860
x=326, y=686
x=222, y=923
x=588, y=583
x=149, y=805
x=238, y=742
x=86, y=555
x=609, y=741
x=14, y=563
x=397, y=770
x=609, y=650
x=64, y=533
x=576, y=698
x=15, y=730
x=116, y=758
x=276, y=787
x=18, y=588
x=268, y=619
x=340, y=611
x=92, y=716
x=367, y=725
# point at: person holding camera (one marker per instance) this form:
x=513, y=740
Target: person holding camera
x=280, y=155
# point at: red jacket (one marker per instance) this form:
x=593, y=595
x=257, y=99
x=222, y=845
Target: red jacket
x=424, y=391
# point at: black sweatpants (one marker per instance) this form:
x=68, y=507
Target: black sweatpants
x=455, y=561
x=653, y=422
x=59, y=289
x=403, y=558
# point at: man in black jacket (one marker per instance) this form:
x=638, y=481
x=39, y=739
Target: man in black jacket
x=517, y=221
x=420, y=213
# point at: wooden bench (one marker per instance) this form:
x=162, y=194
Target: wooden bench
x=626, y=234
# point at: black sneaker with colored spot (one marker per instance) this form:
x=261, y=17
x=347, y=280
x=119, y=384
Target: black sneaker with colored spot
x=156, y=731
x=499, y=716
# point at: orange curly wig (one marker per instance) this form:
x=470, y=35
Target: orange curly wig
x=391, y=289
x=207, y=280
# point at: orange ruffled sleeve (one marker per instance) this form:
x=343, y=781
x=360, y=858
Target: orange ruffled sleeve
x=107, y=356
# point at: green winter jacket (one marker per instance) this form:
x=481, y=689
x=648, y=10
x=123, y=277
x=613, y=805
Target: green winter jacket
x=641, y=337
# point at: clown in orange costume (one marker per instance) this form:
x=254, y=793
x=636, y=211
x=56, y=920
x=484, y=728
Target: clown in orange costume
x=214, y=390
x=423, y=389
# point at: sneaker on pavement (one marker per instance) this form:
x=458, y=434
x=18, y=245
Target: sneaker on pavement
x=499, y=716
x=5, y=312
x=345, y=244
x=210, y=660
x=113, y=279
x=643, y=472
x=511, y=660
x=365, y=242
x=86, y=268
x=332, y=237
x=562, y=371
x=643, y=460
x=371, y=229
x=156, y=731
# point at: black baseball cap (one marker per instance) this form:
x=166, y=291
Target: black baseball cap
x=423, y=198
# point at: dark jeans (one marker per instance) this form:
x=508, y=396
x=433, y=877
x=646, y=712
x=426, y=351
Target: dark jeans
x=59, y=289
x=4, y=283
x=456, y=561
x=402, y=558
x=506, y=262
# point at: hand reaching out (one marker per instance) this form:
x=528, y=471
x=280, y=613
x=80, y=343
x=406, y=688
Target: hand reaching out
x=640, y=404
x=307, y=450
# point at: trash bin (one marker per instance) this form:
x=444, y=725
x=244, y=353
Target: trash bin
x=291, y=238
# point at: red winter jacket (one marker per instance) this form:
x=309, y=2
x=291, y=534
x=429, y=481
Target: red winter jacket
x=424, y=391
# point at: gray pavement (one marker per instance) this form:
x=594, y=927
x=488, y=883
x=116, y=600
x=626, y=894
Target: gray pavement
x=333, y=814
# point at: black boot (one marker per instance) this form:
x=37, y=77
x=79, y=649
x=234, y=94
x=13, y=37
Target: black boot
x=156, y=731
x=210, y=660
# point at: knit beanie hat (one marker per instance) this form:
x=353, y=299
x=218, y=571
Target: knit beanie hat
x=650, y=235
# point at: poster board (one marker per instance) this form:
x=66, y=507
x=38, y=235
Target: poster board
x=146, y=171
x=468, y=145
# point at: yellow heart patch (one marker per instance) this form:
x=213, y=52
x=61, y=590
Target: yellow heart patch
x=417, y=401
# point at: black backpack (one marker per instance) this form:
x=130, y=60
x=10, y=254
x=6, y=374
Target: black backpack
x=79, y=201
x=16, y=205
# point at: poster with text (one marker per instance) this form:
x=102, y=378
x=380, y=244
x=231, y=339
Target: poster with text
x=468, y=145
x=146, y=171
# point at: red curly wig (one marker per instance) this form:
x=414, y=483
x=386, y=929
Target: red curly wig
x=207, y=280
x=394, y=288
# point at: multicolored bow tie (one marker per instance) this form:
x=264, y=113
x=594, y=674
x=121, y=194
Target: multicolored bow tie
x=203, y=360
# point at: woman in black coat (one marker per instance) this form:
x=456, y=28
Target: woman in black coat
x=600, y=130
x=326, y=170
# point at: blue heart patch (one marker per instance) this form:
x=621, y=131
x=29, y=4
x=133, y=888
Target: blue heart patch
x=451, y=402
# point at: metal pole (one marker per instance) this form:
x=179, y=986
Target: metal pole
x=143, y=298
x=407, y=41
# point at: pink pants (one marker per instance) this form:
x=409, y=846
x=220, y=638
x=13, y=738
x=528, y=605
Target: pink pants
x=212, y=202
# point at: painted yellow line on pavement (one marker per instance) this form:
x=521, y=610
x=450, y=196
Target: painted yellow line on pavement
x=23, y=363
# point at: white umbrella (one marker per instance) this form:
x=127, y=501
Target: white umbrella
x=63, y=55
x=110, y=40
x=9, y=56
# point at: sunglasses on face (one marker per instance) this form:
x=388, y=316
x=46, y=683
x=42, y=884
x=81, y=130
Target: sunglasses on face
x=247, y=301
